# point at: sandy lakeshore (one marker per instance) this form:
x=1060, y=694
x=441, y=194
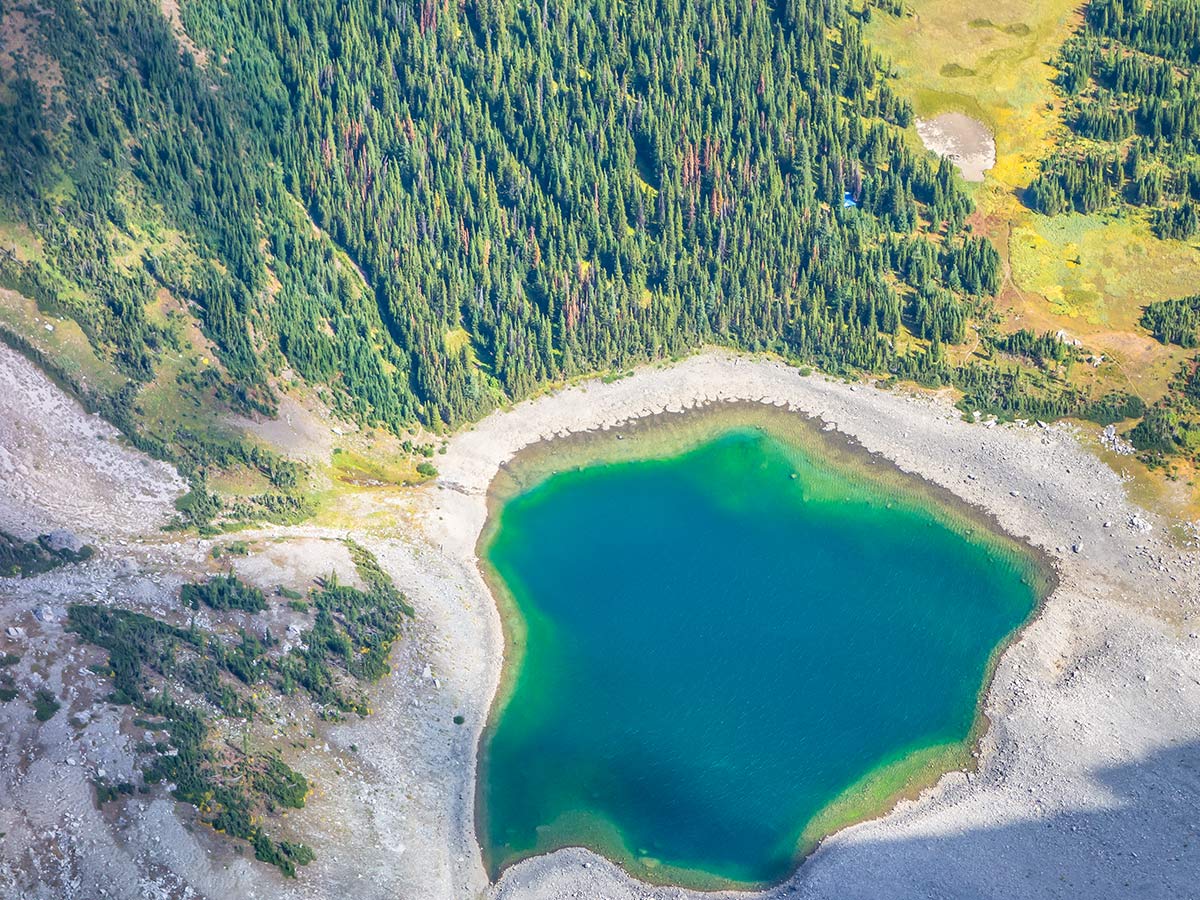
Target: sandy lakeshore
x=1088, y=778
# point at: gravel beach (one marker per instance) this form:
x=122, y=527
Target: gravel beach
x=1088, y=778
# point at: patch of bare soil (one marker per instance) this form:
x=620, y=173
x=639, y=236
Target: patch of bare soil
x=964, y=141
x=170, y=9
x=19, y=53
x=300, y=429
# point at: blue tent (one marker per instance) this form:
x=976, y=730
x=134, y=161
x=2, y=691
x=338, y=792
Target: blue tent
x=848, y=202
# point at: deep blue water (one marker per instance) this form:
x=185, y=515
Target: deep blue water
x=718, y=645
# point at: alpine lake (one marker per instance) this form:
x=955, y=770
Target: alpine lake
x=729, y=633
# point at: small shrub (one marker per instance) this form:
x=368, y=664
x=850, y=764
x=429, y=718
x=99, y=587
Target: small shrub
x=45, y=705
x=105, y=792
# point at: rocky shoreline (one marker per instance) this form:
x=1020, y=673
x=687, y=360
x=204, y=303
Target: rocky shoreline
x=1087, y=780
x=1102, y=688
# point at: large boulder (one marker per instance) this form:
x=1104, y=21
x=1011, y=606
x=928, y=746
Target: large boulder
x=62, y=540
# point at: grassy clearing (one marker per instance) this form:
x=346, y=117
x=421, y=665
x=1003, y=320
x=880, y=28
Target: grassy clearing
x=1099, y=270
x=359, y=469
x=240, y=482
x=949, y=57
x=63, y=342
x=1090, y=276
x=16, y=238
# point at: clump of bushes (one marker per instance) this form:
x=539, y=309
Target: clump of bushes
x=152, y=662
x=1174, y=321
x=26, y=558
x=45, y=705
x=149, y=662
x=224, y=592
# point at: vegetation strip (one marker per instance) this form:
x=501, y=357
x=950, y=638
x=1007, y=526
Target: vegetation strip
x=187, y=684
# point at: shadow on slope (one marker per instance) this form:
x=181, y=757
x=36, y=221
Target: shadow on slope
x=1144, y=842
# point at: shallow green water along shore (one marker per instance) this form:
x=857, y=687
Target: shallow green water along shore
x=729, y=634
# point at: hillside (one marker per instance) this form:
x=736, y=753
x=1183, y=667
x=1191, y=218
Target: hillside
x=430, y=212
x=290, y=293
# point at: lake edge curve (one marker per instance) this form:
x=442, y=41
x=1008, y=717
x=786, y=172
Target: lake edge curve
x=666, y=434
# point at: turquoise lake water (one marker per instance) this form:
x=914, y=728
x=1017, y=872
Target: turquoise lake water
x=718, y=645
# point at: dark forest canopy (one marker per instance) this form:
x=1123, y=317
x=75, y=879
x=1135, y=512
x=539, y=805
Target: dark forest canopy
x=1133, y=107
x=1174, y=321
x=503, y=193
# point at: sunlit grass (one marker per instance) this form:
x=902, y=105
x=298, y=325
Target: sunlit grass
x=64, y=341
x=1089, y=276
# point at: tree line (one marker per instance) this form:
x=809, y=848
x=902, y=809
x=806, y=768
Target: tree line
x=1133, y=107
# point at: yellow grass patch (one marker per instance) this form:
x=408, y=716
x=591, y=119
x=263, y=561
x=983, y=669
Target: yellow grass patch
x=1088, y=275
x=456, y=339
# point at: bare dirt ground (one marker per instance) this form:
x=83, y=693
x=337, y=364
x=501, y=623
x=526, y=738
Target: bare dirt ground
x=964, y=141
x=18, y=51
x=298, y=430
x=170, y=9
x=1087, y=782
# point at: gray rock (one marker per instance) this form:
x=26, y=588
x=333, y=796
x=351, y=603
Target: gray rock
x=62, y=539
